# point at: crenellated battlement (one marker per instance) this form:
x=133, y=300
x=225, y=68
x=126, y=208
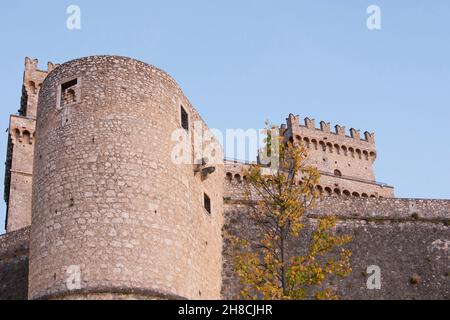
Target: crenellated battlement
x=20, y=153
x=294, y=125
x=345, y=158
x=22, y=130
x=32, y=65
x=76, y=194
x=32, y=81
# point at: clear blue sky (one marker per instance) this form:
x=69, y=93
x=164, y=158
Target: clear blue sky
x=243, y=62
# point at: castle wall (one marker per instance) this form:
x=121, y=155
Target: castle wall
x=407, y=238
x=341, y=158
x=348, y=186
x=20, y=153
x=329, y=150
x=32, y=82
x=14, y=249
x=328, y=185
x=109, y=201
x=107, y=197
x=19, y=173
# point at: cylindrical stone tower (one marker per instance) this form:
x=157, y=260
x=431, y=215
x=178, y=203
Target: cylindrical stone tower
x=114, y=217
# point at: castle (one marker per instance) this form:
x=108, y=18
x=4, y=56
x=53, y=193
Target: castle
x=97, y=209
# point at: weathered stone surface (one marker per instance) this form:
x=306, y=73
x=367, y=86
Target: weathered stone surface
x=345, y=161
x=413, y=254
x=107, y=196
x=108, y=200
x=14, y=249
x=20, y=153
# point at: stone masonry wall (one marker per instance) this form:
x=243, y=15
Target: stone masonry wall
x=14, y=248
x=329, y=150
x=19, y=173
x=32, y=82
x=107, y=196
x=343, y=186
x=329, y=185
x=20, y=153
x=407, y=238
x=336, y=155
x=109, y=199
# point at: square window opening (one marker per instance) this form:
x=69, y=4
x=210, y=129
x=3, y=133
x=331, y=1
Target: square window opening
x=69, y=92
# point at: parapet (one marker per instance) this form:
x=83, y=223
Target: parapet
x=386, y=209
x=33, y=73
x=14, y=243
x=32, y=81
x=406, y=238
x=21, y=128
x=107, y=182
x=14, y=252
x=294, y=125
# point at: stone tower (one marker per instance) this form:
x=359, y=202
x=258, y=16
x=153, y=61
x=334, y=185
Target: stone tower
x=113, y=215
x=19, y=160
x=345, y=161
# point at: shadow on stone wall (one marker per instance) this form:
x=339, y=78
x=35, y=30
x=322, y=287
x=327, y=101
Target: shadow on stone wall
x=14, y=249
x=408, y=239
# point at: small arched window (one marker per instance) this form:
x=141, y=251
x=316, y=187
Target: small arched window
x=344, y=150
x=330, y=147
x=69, y=97
x=17, y=133
x=307, y=144
x=314, y=142
x=26, y=137
x=33, y=87
x=366, y=155
x=323, y=146
x=352, y=152
x=338, y=149
x=358, y=152
x=337, y=173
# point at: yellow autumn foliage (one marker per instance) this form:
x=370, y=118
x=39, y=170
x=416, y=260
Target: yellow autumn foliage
x=278, y=202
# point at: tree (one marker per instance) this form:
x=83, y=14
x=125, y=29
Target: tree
x=278, y=198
